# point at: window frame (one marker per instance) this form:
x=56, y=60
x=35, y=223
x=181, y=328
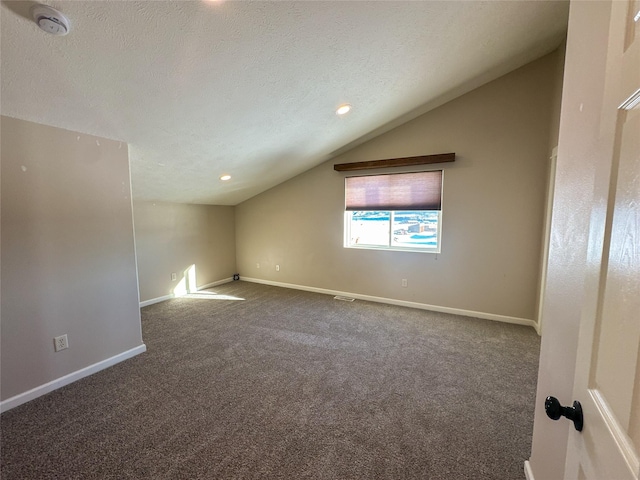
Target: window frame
x=348, y=214
x=390, y=246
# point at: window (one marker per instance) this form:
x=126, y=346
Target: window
x=399, y=211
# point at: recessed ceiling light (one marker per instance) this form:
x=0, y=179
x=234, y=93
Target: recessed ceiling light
x=224, y=178
x=343, y=109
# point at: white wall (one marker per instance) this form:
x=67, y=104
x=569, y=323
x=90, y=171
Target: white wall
x=171, y=237
x=575, y=178
x=494, y=196
x=68, y=258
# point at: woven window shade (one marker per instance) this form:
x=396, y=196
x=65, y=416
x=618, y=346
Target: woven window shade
x=400, y=191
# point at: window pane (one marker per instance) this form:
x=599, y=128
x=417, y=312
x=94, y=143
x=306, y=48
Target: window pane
x=369, y=228
x=415, y=229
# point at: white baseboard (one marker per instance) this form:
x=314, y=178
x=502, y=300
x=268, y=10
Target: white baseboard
x=528, y=473
x=536, y=325
x=172, y=295
x=215, y=284
x=157, y=300
x=21, y=398
x=402, y=303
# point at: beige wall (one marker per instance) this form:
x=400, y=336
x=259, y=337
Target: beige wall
x=171, y=237
x=494, y=196
x=68, y=259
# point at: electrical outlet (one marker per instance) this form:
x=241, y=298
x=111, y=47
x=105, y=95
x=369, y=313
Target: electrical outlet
x=257, y=265
x=174, y=277
x=404, y=282
x=60, y=343
x=277, y=268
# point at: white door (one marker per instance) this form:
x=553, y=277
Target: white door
x=607, y=381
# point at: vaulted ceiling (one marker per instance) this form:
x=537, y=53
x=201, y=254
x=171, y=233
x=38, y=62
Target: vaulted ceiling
x=199, y=89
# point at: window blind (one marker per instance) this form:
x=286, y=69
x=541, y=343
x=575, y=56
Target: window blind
x=396, y=191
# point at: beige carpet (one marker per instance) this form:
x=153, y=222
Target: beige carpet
x=253, y=381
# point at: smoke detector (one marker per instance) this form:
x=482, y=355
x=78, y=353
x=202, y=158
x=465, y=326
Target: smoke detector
x=50, y=20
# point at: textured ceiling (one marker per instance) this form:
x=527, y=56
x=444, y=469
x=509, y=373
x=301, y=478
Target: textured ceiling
x=201, y=88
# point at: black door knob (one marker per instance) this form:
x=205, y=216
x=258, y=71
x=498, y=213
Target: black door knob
x=555, y=411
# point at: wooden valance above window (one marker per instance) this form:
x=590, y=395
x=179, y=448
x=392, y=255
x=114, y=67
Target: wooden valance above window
x=396, y=162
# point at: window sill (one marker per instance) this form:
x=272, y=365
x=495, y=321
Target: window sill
x=393, y=249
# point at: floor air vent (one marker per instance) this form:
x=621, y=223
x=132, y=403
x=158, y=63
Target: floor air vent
x=344, y=299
